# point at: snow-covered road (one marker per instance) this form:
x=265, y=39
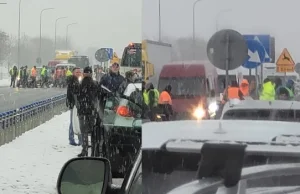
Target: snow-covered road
x=31, y=163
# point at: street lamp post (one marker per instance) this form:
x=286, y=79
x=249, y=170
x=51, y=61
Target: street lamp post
x=159, y=22
x=68, y=32
x=40, y=48
x=19, y=34
x=194, y=36
x=218, y=16
x=55, y=30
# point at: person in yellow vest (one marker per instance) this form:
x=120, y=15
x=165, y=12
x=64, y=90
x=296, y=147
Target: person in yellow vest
x=151, y=96
x=68, y=73
x=268, y=91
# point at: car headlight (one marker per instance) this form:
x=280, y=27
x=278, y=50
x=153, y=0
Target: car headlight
x=199, y=113
x=213, y=107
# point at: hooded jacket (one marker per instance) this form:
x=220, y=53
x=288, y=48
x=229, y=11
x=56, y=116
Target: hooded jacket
x=268, y=91
x=245, y=89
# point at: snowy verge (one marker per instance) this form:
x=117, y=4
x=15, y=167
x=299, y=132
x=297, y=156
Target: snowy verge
x=32, y=162
x=5, y=82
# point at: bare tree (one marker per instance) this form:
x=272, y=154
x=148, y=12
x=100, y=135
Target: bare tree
x=29, y=48
x=5, y=45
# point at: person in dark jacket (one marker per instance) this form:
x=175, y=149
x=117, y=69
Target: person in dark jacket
x=113, y=79
x=129, y=78
x=87, y=108
x=25, y=77
x=278, y=83
x=14, y=75
x=73, y=84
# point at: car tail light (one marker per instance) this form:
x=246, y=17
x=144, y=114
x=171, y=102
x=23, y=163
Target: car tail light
x=124, y=111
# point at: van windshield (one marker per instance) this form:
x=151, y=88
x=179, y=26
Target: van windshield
x=194, y=86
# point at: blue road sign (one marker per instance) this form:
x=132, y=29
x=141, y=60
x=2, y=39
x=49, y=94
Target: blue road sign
x=110, y=52
x=265, y=41
x=256, y=54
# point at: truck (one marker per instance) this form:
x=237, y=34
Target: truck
x=158, y=54
x=146, y=59
x=79, y=61
x=61, y=56
x=64, y=55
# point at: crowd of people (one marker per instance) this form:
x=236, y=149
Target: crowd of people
x=269, y=90
x=89, y=98
x=26, y=77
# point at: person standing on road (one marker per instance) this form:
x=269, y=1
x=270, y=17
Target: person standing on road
x=73, y=84
x=33, y=77
x=87, y=107
x=13, y=73
x=113, y=79
x=129, y=78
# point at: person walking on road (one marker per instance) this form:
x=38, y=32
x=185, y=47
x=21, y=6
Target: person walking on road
x=73, y=84
x=25, y=77
x=44, y=77
x=87, y=107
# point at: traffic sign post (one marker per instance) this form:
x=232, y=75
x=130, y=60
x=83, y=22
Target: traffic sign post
x=102, y=55
x=285, y=62
x=38, y=60
x=297, y=68
x=265, y=41
x=110, y=52
x=256, y=54
x=227, y=50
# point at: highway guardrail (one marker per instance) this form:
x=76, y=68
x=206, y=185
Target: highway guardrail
x=16, y=122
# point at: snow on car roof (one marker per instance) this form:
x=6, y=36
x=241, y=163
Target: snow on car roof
x=155, y=134
x=132, y=87
x=262, y=104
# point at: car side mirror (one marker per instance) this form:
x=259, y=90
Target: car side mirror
x=84, y=175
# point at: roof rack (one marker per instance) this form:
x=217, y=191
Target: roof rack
x=252, y=148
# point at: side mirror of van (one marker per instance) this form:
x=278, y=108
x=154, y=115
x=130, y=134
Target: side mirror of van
x=84, y=175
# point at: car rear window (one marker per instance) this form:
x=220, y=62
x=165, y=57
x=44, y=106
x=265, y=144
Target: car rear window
x=263, y=114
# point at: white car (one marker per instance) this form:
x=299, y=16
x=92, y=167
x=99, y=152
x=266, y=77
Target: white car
x=175, y=149
x=261, y=110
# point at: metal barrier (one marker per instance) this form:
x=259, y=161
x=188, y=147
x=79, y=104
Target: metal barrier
x=16, y=122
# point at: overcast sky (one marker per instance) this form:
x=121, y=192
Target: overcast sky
x=101, y=23
x=279, y=18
